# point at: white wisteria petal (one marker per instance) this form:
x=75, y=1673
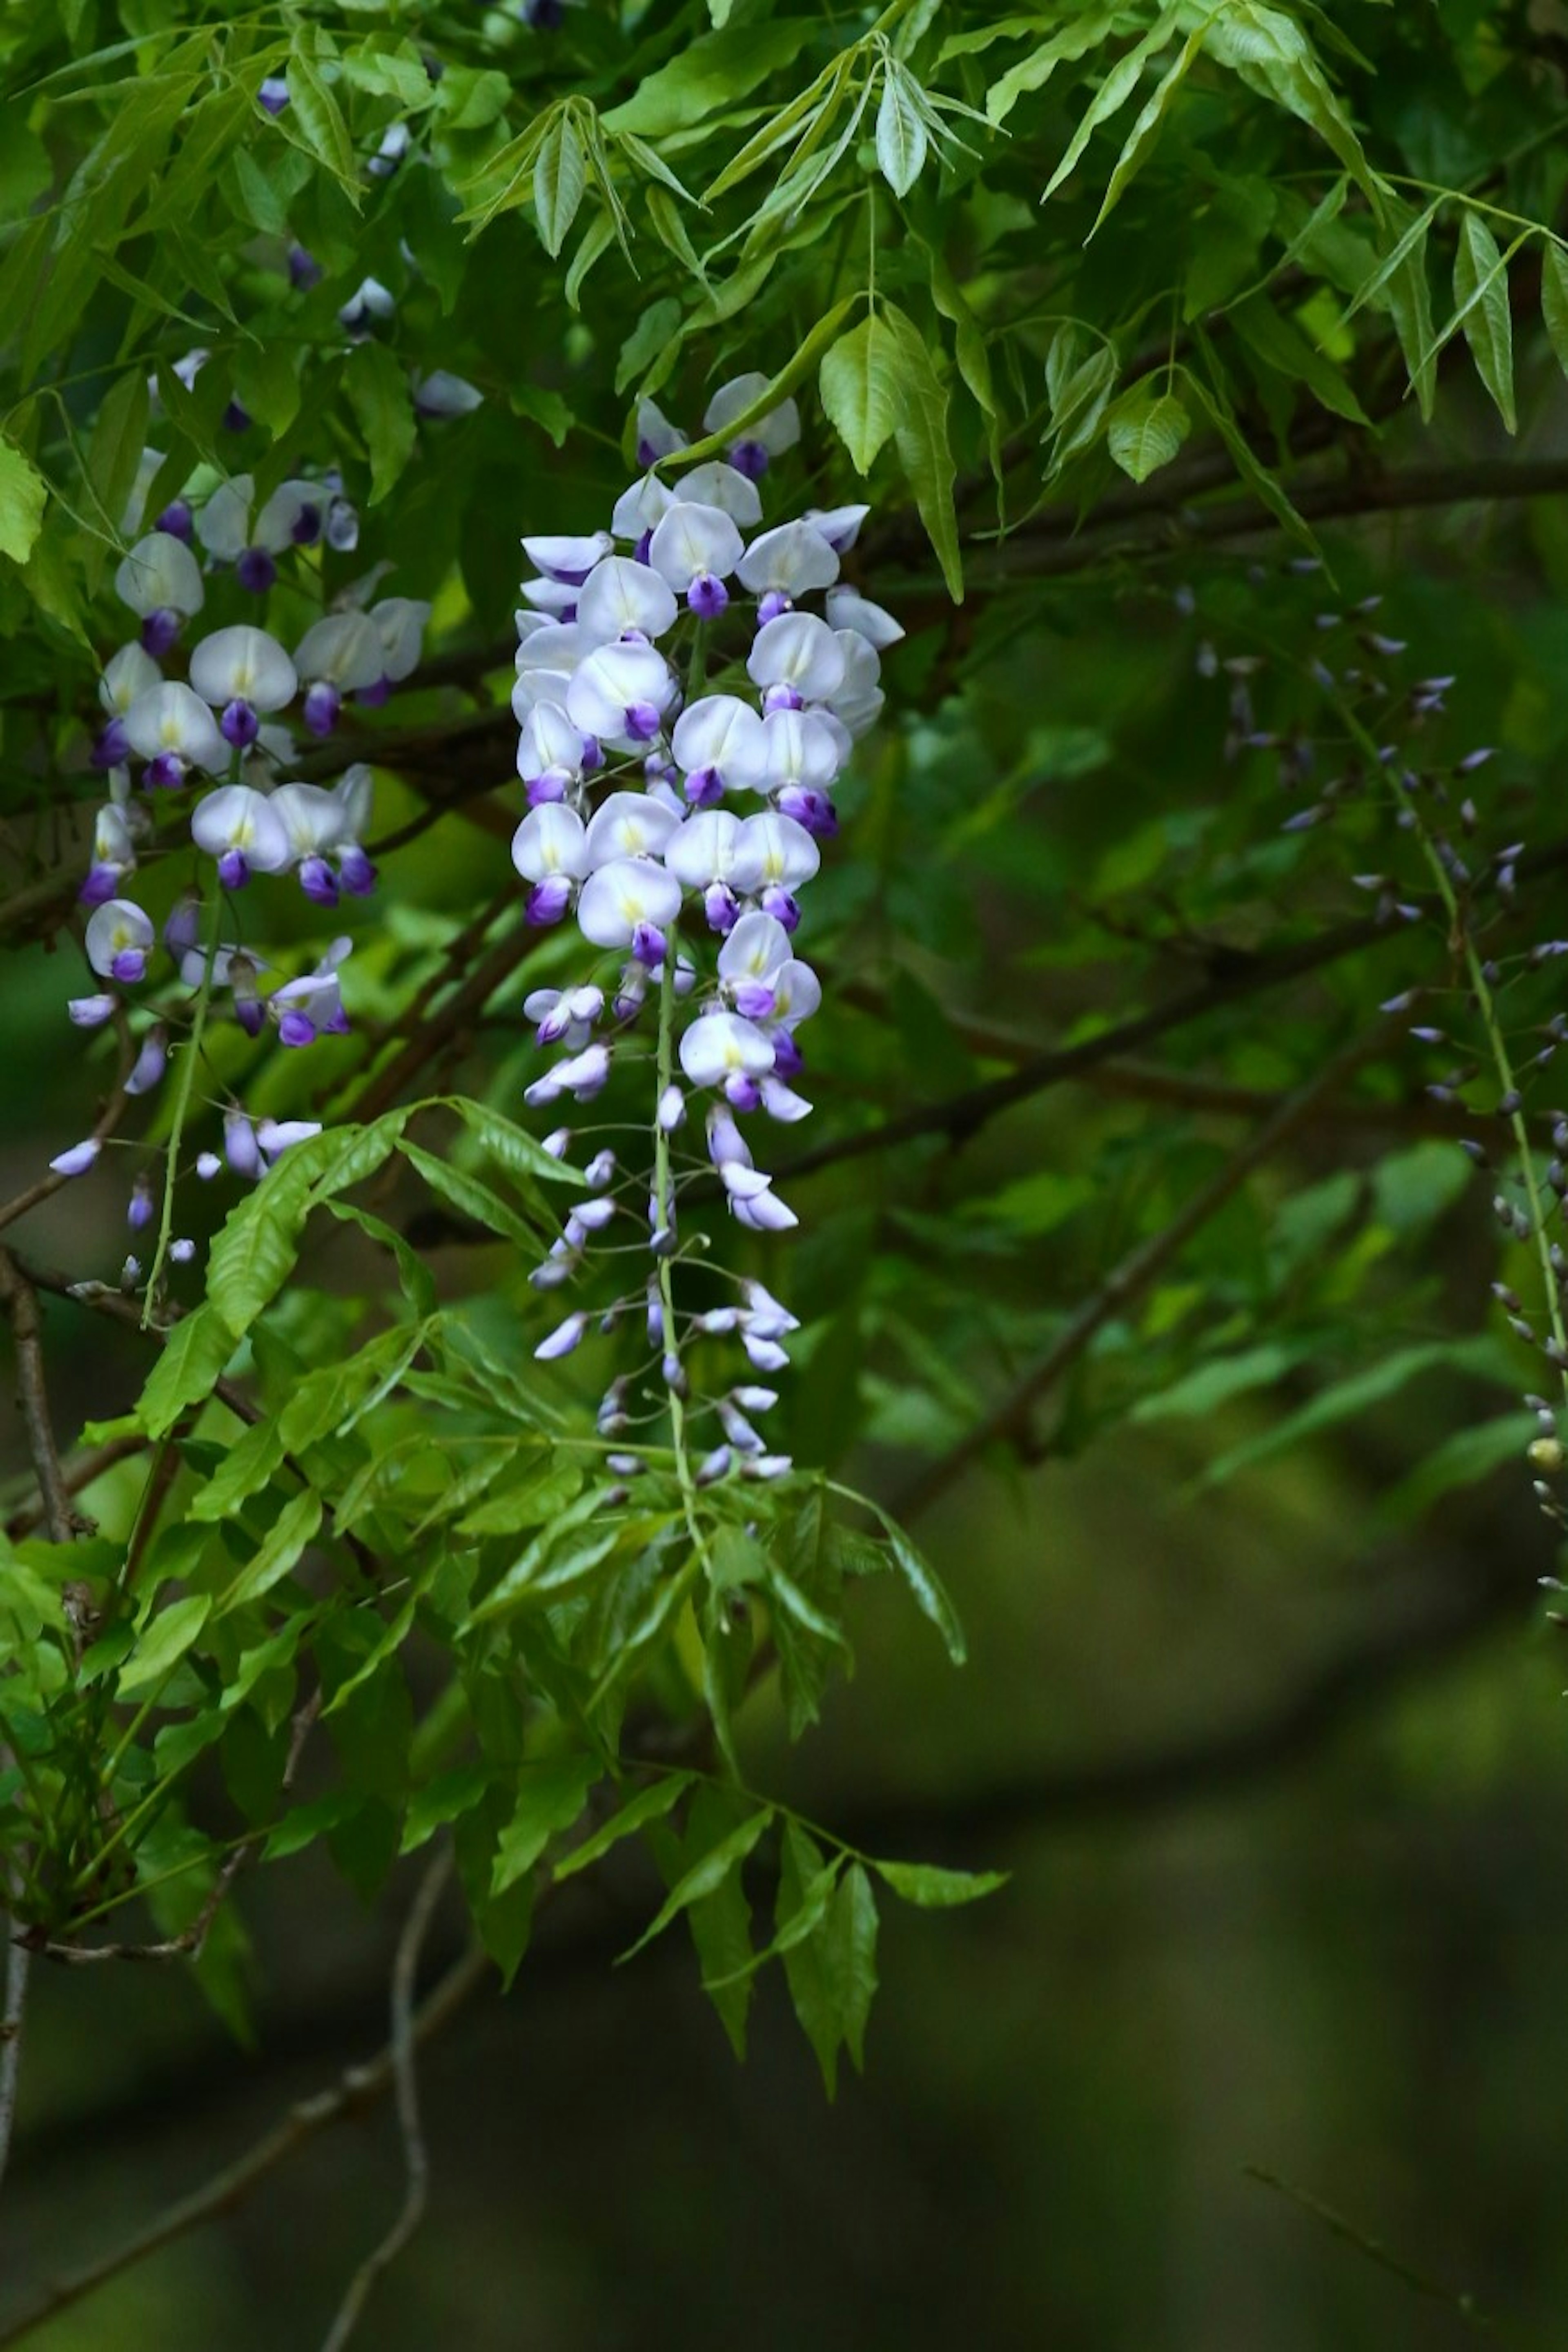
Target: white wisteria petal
x=235, y=818
x=691, y=540
x=352, y=792
x=126, y=675
x=705, y=849
x=794, y=558
x=848, y=609
x=172, y=719
x=722, y=732
x=620, y=895
x=775, y=851
x=553, y=645
x=160, y=574
x=799, y=747
x=777, y=431
x=619, y=594
x=553, y=598
x=716, y=484
x=223, y=526
x=344, y=650
x=549, y=741
x=569, y=560
x=839, y=526
x=551, y=840
x=798, y=993
x=116, y=927
x=758, y=947
x=721, y=1045
x=400, y=622
x=657, y=436
x=243, y=665
x=312, y=817
x=290, y=503
x=112, y=841
x=798, y=650
x=611, y=684
x=628, y=824
x=640, y=508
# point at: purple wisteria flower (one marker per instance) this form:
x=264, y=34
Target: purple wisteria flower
x=687, y=702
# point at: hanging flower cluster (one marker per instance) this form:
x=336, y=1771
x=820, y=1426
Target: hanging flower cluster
x=685, y=715
x=217, y=738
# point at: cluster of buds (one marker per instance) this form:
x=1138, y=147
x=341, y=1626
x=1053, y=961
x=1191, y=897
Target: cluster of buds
x=685, y=717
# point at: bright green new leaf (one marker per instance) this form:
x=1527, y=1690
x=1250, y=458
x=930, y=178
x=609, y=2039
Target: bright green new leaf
x=925, y=451
x=22, y=494
x=163, y=1643
x=704, y=1877
x=863, y=387
x=549, y=1797
x=279, y=1554
x=938, y=1890
x=901, y=138
x=652, y=1805
x=194, y=1356
x=1555, y=300
x=1481, y=308
x=560, y=177
x=1146, y=430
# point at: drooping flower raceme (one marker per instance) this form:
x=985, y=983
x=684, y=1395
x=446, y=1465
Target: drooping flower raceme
x=687, y=702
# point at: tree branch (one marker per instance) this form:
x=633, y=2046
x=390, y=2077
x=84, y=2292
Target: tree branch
x=1133, y=1275
x=354, y=2089
x=405, y=2082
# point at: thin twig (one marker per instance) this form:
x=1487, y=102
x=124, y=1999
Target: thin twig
x=192, y=1939
x=74, y=1476
x=1133, y=1275
x=355, y=2088
x=415, y=2155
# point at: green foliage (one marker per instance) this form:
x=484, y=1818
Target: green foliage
x=1046, y=289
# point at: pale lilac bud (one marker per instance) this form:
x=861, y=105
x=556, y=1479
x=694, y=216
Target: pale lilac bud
x=738, y=1429
x=625, y=1465
x=756, y=1399
x=563, y=1340
x=671, y=1109
x=766, y=1465
x=558, y=1142
x=714, y=1466
x=589, y=1217
x=91, y=1011
x=600, y=1170
x=276, y=1136
x=139, y=1212
x=674, y=1374
x=78, y=1160
x=766, y=1355
x=654, y=1311
x=612, y=1414
x=130, y=1274
x=208, y=1165
x=151, y=1062
x=553, y=1273
x=182, y=1251
x=240, y=1147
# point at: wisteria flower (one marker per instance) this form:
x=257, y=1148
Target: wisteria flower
x=119, y=939
x=174, y=730
x=620, y=694
x=242, y=673
x=240, y=829
x=765, y=437
x=161, y=579
x=795, y=658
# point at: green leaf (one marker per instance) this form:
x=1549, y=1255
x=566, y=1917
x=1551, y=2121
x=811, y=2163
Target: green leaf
x=651, y=1806
x=163, y=1642
x=939, y=1890
x=1198, y=1393
x=314, y=120
x=245, y=1468
x=1033, y=72
x=1346, y=1400
x=560, y=177
x=1140, y=140
x=1480, y=296
x=193, y=1359
x=472, y=1197
x=595, y=242
x=1555, y=300
x=1282, y=346
x=1113, y=93
x=550, y=1797
x=901, y=139
x=519, y=1153
x=1272, y=55
x=1253, y=472
x=293, y=1529
x=376, y=388
x=851, y=1953
x=918, y=1573
x=119, y=437
x=863, y=388
x=924, y=450
x=1146, y=430
x=267, y=382
x=717, y=69
x=704, y=1877
x=22, y=494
